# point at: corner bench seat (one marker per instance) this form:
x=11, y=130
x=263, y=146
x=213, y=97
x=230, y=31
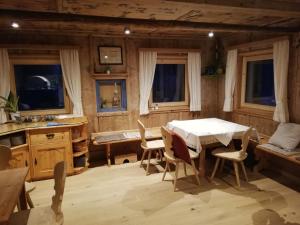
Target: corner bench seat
x=122, y=136
x=268, y=149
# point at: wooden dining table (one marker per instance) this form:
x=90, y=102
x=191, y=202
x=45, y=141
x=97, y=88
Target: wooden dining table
x=200, y=133
x=12, y=190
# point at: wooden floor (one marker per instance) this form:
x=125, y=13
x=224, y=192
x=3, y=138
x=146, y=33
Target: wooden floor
x=124, y=195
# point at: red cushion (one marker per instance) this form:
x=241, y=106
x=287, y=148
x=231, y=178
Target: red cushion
x=180, y=149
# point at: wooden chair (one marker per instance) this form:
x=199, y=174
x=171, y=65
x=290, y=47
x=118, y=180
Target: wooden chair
x=237, y=157
x=5, y=157
x=170, y=158
x=149, y=146
x=51, y=215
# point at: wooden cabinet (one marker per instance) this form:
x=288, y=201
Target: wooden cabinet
x=40, y=147
x=48, y=147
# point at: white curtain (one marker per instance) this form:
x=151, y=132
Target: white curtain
x=72, y=79
x=147, y=63
x=230, y=79
x=281, y=61
x=194, y=76
x=4, y=80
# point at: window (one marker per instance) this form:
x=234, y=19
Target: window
x=170, y=83
x=258, y=82
x=39, y=85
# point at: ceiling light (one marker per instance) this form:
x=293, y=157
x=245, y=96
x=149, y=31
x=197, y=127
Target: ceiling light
x=127, y=31
x=211, y=34
x=15, y=25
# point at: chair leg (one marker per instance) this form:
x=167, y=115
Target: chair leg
x=19, y=206
x=195, y=172
x=215, y=168
x=143, y=156
x=148, y=164
x=165, y=171
x=222, y=165
x=29, y=201
x=244, y=171
x=184, y=167
x=236, y=169
x=176, y=174
x=160, y=155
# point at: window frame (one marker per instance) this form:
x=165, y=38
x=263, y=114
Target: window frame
x=38, y=59
x=172, y=59
x=245, y=60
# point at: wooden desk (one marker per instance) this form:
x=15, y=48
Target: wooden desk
x=12, y=189
x=153, y=133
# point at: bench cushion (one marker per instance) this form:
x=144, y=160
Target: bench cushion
x=273, y=148
x=287, y=136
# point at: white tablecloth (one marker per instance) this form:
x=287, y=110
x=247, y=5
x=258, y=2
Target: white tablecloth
x=207, y=131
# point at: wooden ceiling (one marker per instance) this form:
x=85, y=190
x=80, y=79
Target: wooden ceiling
x=152, y=17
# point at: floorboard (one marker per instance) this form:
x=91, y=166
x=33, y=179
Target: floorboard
x=122, y=194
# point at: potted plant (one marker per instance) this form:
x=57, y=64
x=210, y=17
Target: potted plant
x=10, y=105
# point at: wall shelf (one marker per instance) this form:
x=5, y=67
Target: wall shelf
x=112, y=75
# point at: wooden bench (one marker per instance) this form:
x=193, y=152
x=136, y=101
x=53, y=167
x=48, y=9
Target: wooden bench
x=263, y=152
x=123, y=136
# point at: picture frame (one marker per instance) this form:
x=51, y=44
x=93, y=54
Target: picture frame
x=110, y=55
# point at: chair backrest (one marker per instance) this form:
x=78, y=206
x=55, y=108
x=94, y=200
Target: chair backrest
x=167, y=138
x=245, y=139
x=5, y=156
x=142, y=133
x=59, y=187
x=180, y=149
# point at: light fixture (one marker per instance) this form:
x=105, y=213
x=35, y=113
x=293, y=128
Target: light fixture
x=127, y=31
x=15, y=25
x=211, y=34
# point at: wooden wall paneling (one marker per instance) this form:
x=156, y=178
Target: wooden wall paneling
x=241, y=119
x=264, y=126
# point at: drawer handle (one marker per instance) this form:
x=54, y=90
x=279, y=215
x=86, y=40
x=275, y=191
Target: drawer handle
x=35, y=161
x=50, y=136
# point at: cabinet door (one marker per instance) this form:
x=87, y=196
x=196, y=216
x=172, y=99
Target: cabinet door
x=45, y=159
x=20, y=158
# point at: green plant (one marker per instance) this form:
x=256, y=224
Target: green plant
x=10, y=104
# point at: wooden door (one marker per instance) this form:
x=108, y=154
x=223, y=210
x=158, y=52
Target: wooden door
x=45, y=159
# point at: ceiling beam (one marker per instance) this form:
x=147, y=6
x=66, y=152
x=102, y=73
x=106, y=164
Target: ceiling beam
x=266, y=7
x=160, y=24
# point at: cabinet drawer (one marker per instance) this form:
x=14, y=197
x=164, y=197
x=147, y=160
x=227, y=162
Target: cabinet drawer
x=49, y=138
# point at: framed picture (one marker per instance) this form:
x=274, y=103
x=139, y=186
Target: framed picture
x=110, y=55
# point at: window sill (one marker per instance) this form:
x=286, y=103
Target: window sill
x=267, y=114
x=168, y=109
x=108, y=114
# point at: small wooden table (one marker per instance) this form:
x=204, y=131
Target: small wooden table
x=151, y=133
x=12, y=189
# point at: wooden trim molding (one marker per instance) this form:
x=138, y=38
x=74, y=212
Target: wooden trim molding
x=258, y=43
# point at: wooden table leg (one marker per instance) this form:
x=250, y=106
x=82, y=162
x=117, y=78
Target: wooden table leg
x=22, y=199
x=202, y=161
x=108, y=154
